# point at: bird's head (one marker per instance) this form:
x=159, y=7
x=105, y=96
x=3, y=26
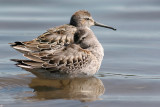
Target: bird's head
x=83, y=18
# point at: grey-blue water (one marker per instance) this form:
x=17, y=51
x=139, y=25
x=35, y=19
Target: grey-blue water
x=130, y=72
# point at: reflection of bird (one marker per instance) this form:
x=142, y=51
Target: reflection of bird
x=68, y=49
x=83, y=89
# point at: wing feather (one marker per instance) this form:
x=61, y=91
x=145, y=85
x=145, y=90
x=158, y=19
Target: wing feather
x=53, y=39
x=68, y=58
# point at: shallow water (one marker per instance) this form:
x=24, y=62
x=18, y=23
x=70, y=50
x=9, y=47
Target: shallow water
x=129, y=74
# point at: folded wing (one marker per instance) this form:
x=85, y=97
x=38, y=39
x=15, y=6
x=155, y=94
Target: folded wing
x=53, y=39
x=66, y=59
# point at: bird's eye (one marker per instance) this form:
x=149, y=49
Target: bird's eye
x=83, y=38
x=87, y=19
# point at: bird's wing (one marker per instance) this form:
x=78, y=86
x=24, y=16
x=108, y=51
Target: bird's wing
x=53, y=39
x=68, y=58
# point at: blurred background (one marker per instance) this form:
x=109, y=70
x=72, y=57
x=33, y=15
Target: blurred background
x=131, y=53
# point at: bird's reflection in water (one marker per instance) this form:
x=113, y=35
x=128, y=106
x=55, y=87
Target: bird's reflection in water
x=84, y=89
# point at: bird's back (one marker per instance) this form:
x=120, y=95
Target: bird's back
x=53, y=39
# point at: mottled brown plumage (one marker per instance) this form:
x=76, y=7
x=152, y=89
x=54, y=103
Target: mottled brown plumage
x=70, y=49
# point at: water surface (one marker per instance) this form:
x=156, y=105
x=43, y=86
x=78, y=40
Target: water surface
x=129, y=74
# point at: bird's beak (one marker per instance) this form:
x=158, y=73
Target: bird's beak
x=102, y=25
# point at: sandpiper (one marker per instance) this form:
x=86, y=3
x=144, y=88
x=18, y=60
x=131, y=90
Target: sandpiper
x=70, y=49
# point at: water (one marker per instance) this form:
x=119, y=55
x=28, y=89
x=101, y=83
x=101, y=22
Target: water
x=129, y=74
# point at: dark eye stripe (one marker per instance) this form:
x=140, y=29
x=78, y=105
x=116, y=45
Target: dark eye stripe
x=87, y=19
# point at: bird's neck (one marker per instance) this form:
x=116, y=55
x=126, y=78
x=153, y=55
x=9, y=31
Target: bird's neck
x=95, y=46
x=90, y=42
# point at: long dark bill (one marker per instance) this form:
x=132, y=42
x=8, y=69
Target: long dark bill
x=102, y=25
